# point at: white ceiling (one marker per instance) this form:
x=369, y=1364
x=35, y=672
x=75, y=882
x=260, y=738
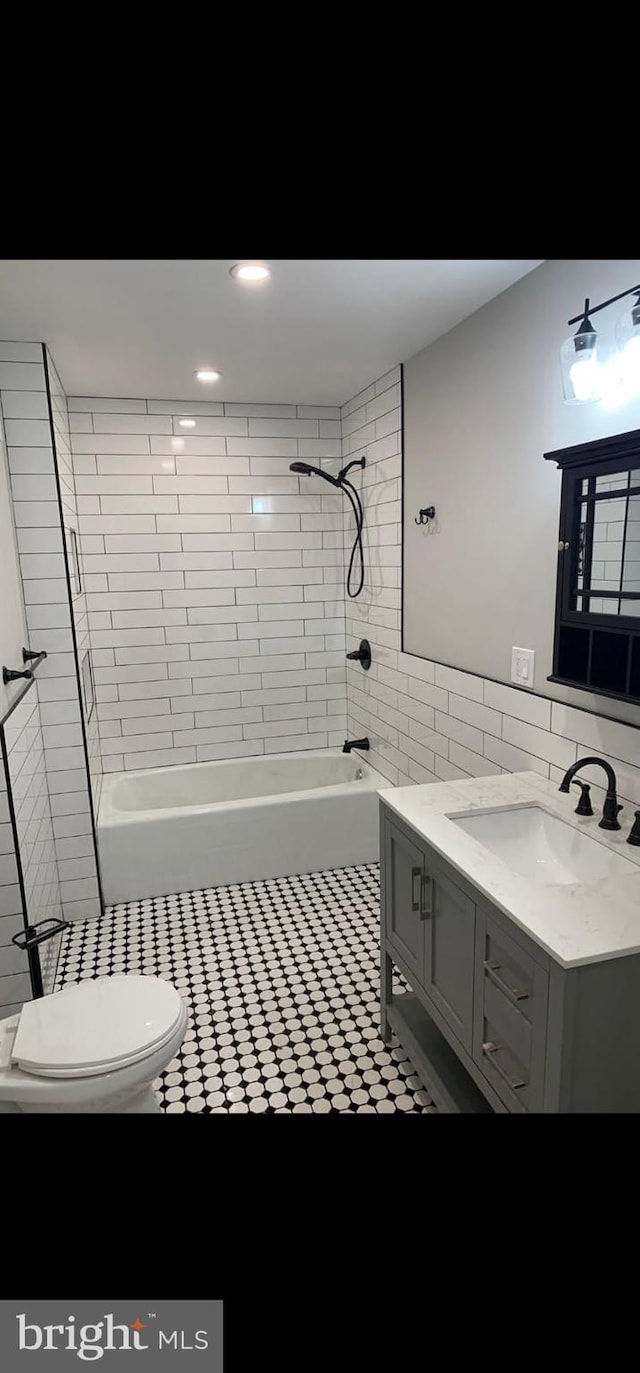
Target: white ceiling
x=318, y=331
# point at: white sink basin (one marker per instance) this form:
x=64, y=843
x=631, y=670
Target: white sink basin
x=537, y=845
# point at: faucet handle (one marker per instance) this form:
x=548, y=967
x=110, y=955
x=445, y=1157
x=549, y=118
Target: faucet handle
x=634, y=834
x=610, y=813
x=584, y=806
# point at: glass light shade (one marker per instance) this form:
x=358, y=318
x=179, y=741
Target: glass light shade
x=581, y=372
x=628, y=340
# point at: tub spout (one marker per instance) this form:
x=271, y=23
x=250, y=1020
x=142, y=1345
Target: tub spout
x=355, y=743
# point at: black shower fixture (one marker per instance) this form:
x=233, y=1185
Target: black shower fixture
x=305, y=469
x=362, y=655
x=355, y=743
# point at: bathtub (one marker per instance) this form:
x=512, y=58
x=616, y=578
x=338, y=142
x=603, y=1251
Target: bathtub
x=175, y=829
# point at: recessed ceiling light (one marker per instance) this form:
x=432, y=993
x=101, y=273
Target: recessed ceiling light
x=187, y=424
x=250, y=271
x=207, y=374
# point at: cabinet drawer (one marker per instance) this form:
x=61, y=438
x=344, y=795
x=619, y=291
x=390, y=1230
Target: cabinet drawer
x=512, y=967
x=504, y=1070
x=510, y=1017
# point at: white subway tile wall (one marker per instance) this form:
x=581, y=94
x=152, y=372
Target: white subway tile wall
x=34, y=448
x=427, y=722
x=213, y=578
x=15, y=987
x=27, y=781
x=66, y=716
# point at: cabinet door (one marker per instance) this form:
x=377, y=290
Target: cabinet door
x=510, y=1030
x=403, y=872
x=449, y=951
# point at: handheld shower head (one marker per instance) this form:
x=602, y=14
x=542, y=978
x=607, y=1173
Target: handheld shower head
x=306, y=470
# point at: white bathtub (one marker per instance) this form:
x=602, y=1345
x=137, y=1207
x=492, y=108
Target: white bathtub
x=177, y=829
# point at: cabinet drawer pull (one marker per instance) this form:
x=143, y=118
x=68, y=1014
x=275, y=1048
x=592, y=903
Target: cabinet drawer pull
x=513, y=993
x=426, y=897
x=490, y=1050
x=416, y=876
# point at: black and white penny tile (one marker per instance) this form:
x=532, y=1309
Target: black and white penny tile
x=281, y=981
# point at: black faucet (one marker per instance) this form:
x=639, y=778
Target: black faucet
x=355, y=743
x=611, y=808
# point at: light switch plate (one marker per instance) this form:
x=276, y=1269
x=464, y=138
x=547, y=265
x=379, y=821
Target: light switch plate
x=522, y=666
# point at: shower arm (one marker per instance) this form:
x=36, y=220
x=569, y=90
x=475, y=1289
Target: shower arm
x=357, y=462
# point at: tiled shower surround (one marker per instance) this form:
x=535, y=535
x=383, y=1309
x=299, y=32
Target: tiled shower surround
x=214, y=578
x=36, y=430
x=427, y=722
x=215, y=589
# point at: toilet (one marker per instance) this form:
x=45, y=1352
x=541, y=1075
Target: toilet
x=95, y=1046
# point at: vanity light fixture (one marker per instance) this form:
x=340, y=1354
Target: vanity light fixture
x=207, y=374
x=250, y=271
x=628, y=340
x=580, y=371
x=187, y=424
x=585, y=376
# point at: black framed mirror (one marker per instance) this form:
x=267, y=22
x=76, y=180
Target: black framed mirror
x=597, y=625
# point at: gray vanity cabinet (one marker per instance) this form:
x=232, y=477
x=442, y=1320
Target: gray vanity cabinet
x=491, y=1021
x=403, y=876
x=431, y=923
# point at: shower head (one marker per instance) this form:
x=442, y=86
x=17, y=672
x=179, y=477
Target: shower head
x=306, y=470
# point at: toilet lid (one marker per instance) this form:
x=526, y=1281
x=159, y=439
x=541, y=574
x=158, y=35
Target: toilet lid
x=97, y=1025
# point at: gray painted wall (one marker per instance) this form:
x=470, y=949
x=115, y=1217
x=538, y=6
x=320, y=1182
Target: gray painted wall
x=482, y=406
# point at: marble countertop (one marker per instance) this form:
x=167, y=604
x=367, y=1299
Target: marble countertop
x=577, y=923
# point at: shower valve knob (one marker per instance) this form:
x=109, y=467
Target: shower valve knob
x=362, y=655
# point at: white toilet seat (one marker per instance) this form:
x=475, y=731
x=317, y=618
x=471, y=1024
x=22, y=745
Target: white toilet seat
x=97, y=1026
